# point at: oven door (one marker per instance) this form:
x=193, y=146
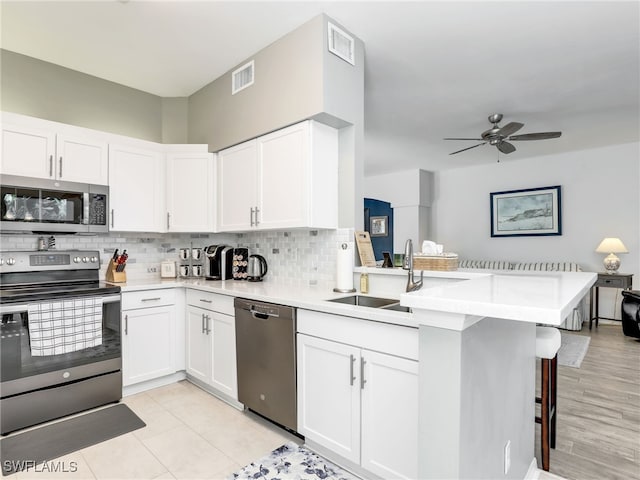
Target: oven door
x=21, y=371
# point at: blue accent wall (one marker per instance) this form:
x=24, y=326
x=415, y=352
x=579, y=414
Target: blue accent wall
x=376, y=208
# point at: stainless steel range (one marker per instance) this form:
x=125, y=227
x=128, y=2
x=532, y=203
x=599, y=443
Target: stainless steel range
x=60, y=337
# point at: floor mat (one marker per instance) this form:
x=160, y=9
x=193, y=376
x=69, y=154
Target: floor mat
x=291, y=461
x=24, y=450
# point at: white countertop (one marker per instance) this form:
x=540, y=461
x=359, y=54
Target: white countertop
x=538, y=297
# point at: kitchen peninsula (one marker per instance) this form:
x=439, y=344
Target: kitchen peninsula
x=477, y=369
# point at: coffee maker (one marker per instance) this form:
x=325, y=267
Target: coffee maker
x=218, y=262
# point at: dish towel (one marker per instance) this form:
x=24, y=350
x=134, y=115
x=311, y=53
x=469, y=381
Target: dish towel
x=64, y=326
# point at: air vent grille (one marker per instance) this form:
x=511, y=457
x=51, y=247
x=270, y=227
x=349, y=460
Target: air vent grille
x=242, y=77
x=341, y=44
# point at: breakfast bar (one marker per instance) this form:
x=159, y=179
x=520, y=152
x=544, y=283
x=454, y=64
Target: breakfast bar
x=477, y=369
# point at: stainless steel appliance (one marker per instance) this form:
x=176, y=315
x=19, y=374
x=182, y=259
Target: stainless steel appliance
x=218, y=262
x=60, y=337
x=266, y=357
x=257, y=268
x=42, y=205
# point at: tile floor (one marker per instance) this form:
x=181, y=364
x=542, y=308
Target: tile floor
x=190, y=434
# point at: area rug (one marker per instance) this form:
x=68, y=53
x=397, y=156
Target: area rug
x=572, y=349
x=25, y=451
x=292, y=462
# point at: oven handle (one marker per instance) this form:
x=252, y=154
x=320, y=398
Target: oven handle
x=111, y=298
x=23, y=307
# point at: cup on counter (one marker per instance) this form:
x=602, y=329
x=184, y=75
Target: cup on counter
x=184, y=270
x=196, y=253
x=398, y=259
x=196, y=270
x=184, y=253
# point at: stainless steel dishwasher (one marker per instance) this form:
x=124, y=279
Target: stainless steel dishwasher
x=266, y=353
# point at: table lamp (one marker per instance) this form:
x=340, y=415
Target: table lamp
x=611, y=246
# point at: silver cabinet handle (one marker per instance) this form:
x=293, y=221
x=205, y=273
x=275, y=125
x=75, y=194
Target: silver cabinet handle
x=51, y=165
x=257, y=211
x=150, y=299
x=203, y=323
x=168, y=220
x=362, y=380
x=112, y=216
x=251, y=216
x=207, y=318
x=206, y=301
x=352, y=378
x=126, y=324
x=60, y=169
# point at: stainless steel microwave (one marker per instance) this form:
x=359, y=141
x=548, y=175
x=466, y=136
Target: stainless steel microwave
x=42, y=205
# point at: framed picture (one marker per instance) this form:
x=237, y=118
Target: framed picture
x=531, y=212
x=378, y=226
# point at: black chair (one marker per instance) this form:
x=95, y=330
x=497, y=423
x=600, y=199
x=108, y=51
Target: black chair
x=631, y=313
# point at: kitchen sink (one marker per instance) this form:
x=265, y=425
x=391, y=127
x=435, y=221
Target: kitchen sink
x=397, y=307
x=364, y=301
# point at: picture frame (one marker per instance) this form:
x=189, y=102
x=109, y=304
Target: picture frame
x=528, y=212
x=379, y=226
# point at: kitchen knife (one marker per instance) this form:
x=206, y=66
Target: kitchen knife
x=115, y=256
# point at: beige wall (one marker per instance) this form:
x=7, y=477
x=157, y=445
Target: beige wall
x=45, y=90
x=174, y=120
x=287, y=89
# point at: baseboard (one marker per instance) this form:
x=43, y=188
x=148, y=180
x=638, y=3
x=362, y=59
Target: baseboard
x=222, y=396
x=342, y=462
x=155, y=383
x=533, y=473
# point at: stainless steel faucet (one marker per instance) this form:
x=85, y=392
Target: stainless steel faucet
x=412, y=285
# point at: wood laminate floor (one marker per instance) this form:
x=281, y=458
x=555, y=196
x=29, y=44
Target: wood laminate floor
x=598, y=419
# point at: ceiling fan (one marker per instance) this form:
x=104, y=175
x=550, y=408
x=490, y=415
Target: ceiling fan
x=498, y=136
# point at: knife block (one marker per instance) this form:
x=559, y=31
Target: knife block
x=113, y=276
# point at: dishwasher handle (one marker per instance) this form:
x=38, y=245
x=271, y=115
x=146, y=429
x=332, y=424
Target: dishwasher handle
x=260, y=315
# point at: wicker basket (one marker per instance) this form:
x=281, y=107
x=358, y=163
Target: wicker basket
x=443, y=263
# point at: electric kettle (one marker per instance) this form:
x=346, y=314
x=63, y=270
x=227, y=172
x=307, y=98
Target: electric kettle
x=257, y=268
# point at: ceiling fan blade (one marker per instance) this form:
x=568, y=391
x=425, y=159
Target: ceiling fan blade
x=506, y=147
x=475, y=139
x=510, y=128
x=536, y=136
x=468, y=148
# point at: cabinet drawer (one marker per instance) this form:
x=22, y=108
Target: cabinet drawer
x=210, y=301
x=614, y=282
x=148, y=298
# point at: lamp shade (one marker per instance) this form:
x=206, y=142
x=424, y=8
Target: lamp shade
x=611, y=245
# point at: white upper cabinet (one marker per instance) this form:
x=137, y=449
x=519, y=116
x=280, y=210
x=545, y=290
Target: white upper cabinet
x=286, y=179
x=136, y=186
x=35, y=151
x=190, y=192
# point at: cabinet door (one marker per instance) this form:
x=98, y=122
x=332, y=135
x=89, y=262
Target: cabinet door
x=198, y=345
x=390, y=416
x=329, y=395
x=224, y=373
x=148, y=348
x=190, y=192
x=136, y=185
x=237, y=180
x=80, y=160
x=283, y=169
x=28, y=152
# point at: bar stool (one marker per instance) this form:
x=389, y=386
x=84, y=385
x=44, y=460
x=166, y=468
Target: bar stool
x=548, y=342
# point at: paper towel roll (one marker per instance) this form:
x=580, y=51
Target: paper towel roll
x=344, y=267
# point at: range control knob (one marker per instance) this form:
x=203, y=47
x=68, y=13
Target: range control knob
x=77, y=259
x=11, y=261
x=85, y=259
x=94, y=259
x=1, y=261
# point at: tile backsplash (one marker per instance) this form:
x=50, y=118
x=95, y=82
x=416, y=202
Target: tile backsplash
x=296, y=257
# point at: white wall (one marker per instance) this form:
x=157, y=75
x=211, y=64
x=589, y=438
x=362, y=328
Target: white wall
x=600, y=198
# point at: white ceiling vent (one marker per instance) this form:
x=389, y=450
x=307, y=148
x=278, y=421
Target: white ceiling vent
x=341, y=44
x=242, y=77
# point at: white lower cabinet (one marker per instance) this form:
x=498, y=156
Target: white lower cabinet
x=148, y=336
x=211, y=341
x=360, y=404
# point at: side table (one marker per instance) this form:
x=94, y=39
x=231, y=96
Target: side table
x=614, y=280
